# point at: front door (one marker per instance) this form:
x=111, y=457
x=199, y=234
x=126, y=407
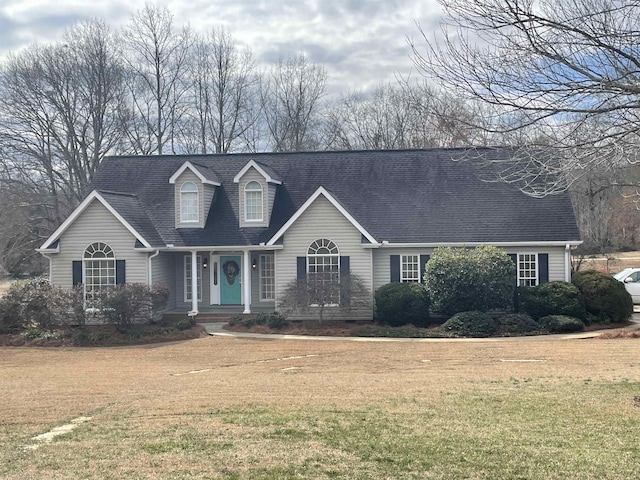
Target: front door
x=230, y=280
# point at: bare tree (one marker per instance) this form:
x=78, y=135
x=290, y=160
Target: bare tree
x=323, y=292
x=568, y=72
x=157, y=58
x=223, y=89
x=290, y=97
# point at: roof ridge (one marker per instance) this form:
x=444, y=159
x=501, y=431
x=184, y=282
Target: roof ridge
x=124, y=194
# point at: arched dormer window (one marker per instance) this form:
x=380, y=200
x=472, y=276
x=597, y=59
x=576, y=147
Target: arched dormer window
x=189, y=203
x=99, y=269
x=253, y=202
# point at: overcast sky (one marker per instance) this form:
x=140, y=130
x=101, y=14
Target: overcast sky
x=362, y=43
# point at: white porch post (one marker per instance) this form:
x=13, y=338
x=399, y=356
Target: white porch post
x=194, y=283
x=246, y=280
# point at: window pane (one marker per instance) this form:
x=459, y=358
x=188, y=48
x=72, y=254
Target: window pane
x=410, y=268
x=527, y=269
x=187, y=277
x=253, y=207
x=267, y=278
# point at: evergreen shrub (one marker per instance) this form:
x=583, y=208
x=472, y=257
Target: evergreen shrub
x=399, y=304
x=552, y=298
x=605, y=297
x=561, y=324
x=471, y=324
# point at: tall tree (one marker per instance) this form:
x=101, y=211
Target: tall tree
x=223, y=89
x=157, y=57
x=569, y=68
x=290, y=97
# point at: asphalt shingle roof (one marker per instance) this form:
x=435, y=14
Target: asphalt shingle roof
x=403, y=196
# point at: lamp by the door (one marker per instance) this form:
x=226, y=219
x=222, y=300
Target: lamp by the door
x=254, y=263
x=205, y=262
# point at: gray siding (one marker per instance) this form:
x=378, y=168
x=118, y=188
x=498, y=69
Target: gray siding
x=323, y=220
x=163, y=272
x=205, y=197
x=382, y=256
x=97, y=224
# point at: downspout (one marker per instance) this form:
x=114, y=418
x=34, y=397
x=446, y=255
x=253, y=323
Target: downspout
x=567, y=263
x=46, y=255
x=150, y=269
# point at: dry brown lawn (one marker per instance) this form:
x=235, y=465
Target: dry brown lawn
x=203, y=408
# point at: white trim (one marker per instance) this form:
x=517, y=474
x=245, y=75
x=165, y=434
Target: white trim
x=191, y=167
x=221, y=248
x=183, y=203
x=246, y=203
x=536, y=278
x=260, y=277
x=402, y=271
x=261, y=171
x=321, y=191
x=95, y=195
x=386, y=244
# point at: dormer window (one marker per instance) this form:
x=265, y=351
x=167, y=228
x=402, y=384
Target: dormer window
x=253, y=202
x=189, y=203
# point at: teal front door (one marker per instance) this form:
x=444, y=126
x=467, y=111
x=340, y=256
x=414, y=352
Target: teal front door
x=231, y=280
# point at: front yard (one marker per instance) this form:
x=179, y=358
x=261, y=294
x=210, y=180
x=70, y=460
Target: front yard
x=275, y=409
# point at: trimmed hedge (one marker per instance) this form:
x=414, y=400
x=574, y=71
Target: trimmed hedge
x=466, y=279
x=552, y=298
x=605, y=297
x=561, y=324
x=517, y=324
x=399, y=304
x=471, y=324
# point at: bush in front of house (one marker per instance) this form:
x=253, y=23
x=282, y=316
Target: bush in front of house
x=470, y=324
x=517, y=324
x=561, y=324
x=131, y=304
x=605, y=297
x=399, y=304
x=273, y=320
x=38, y=305
x=466, y=279
x=552, y=298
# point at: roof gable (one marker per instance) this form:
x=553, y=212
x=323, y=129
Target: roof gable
x=205, y=175
x=51, y=242
x=265, y=171
x=321, y=191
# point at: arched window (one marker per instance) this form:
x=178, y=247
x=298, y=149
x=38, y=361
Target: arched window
x=188, y=202
x=323, y=272
x=253, y=202
x=99, y=269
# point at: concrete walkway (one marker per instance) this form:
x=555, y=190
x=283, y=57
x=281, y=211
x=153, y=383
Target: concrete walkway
x=217, y=329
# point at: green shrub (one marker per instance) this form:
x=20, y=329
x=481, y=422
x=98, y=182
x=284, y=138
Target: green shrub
x=517, y=324
x=552, y=298
x=561, y=324
x=277, y=321
x=236, y=320
x=185, y=324
x=273, y=320
x=11, y=319
x=471, y=324
x=400, y=304
x=465, y=279
x=605, y=297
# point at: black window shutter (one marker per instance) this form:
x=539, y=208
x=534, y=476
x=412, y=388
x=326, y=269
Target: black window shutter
x=121, y=274
x=543, y=268
x=423, y=264
x=514, y=258
x=301, y=265
x=77, y=272
x=345, y=282
x=395, y=268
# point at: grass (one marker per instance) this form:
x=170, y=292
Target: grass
x=276, y=409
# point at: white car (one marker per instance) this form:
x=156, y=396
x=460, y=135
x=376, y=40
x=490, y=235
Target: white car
x=631, y=279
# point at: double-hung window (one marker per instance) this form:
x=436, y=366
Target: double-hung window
x=253, y=202
x=323, y=272
x=410, y=268
x=527, y=269
x=189, y=203
x=99, y=270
